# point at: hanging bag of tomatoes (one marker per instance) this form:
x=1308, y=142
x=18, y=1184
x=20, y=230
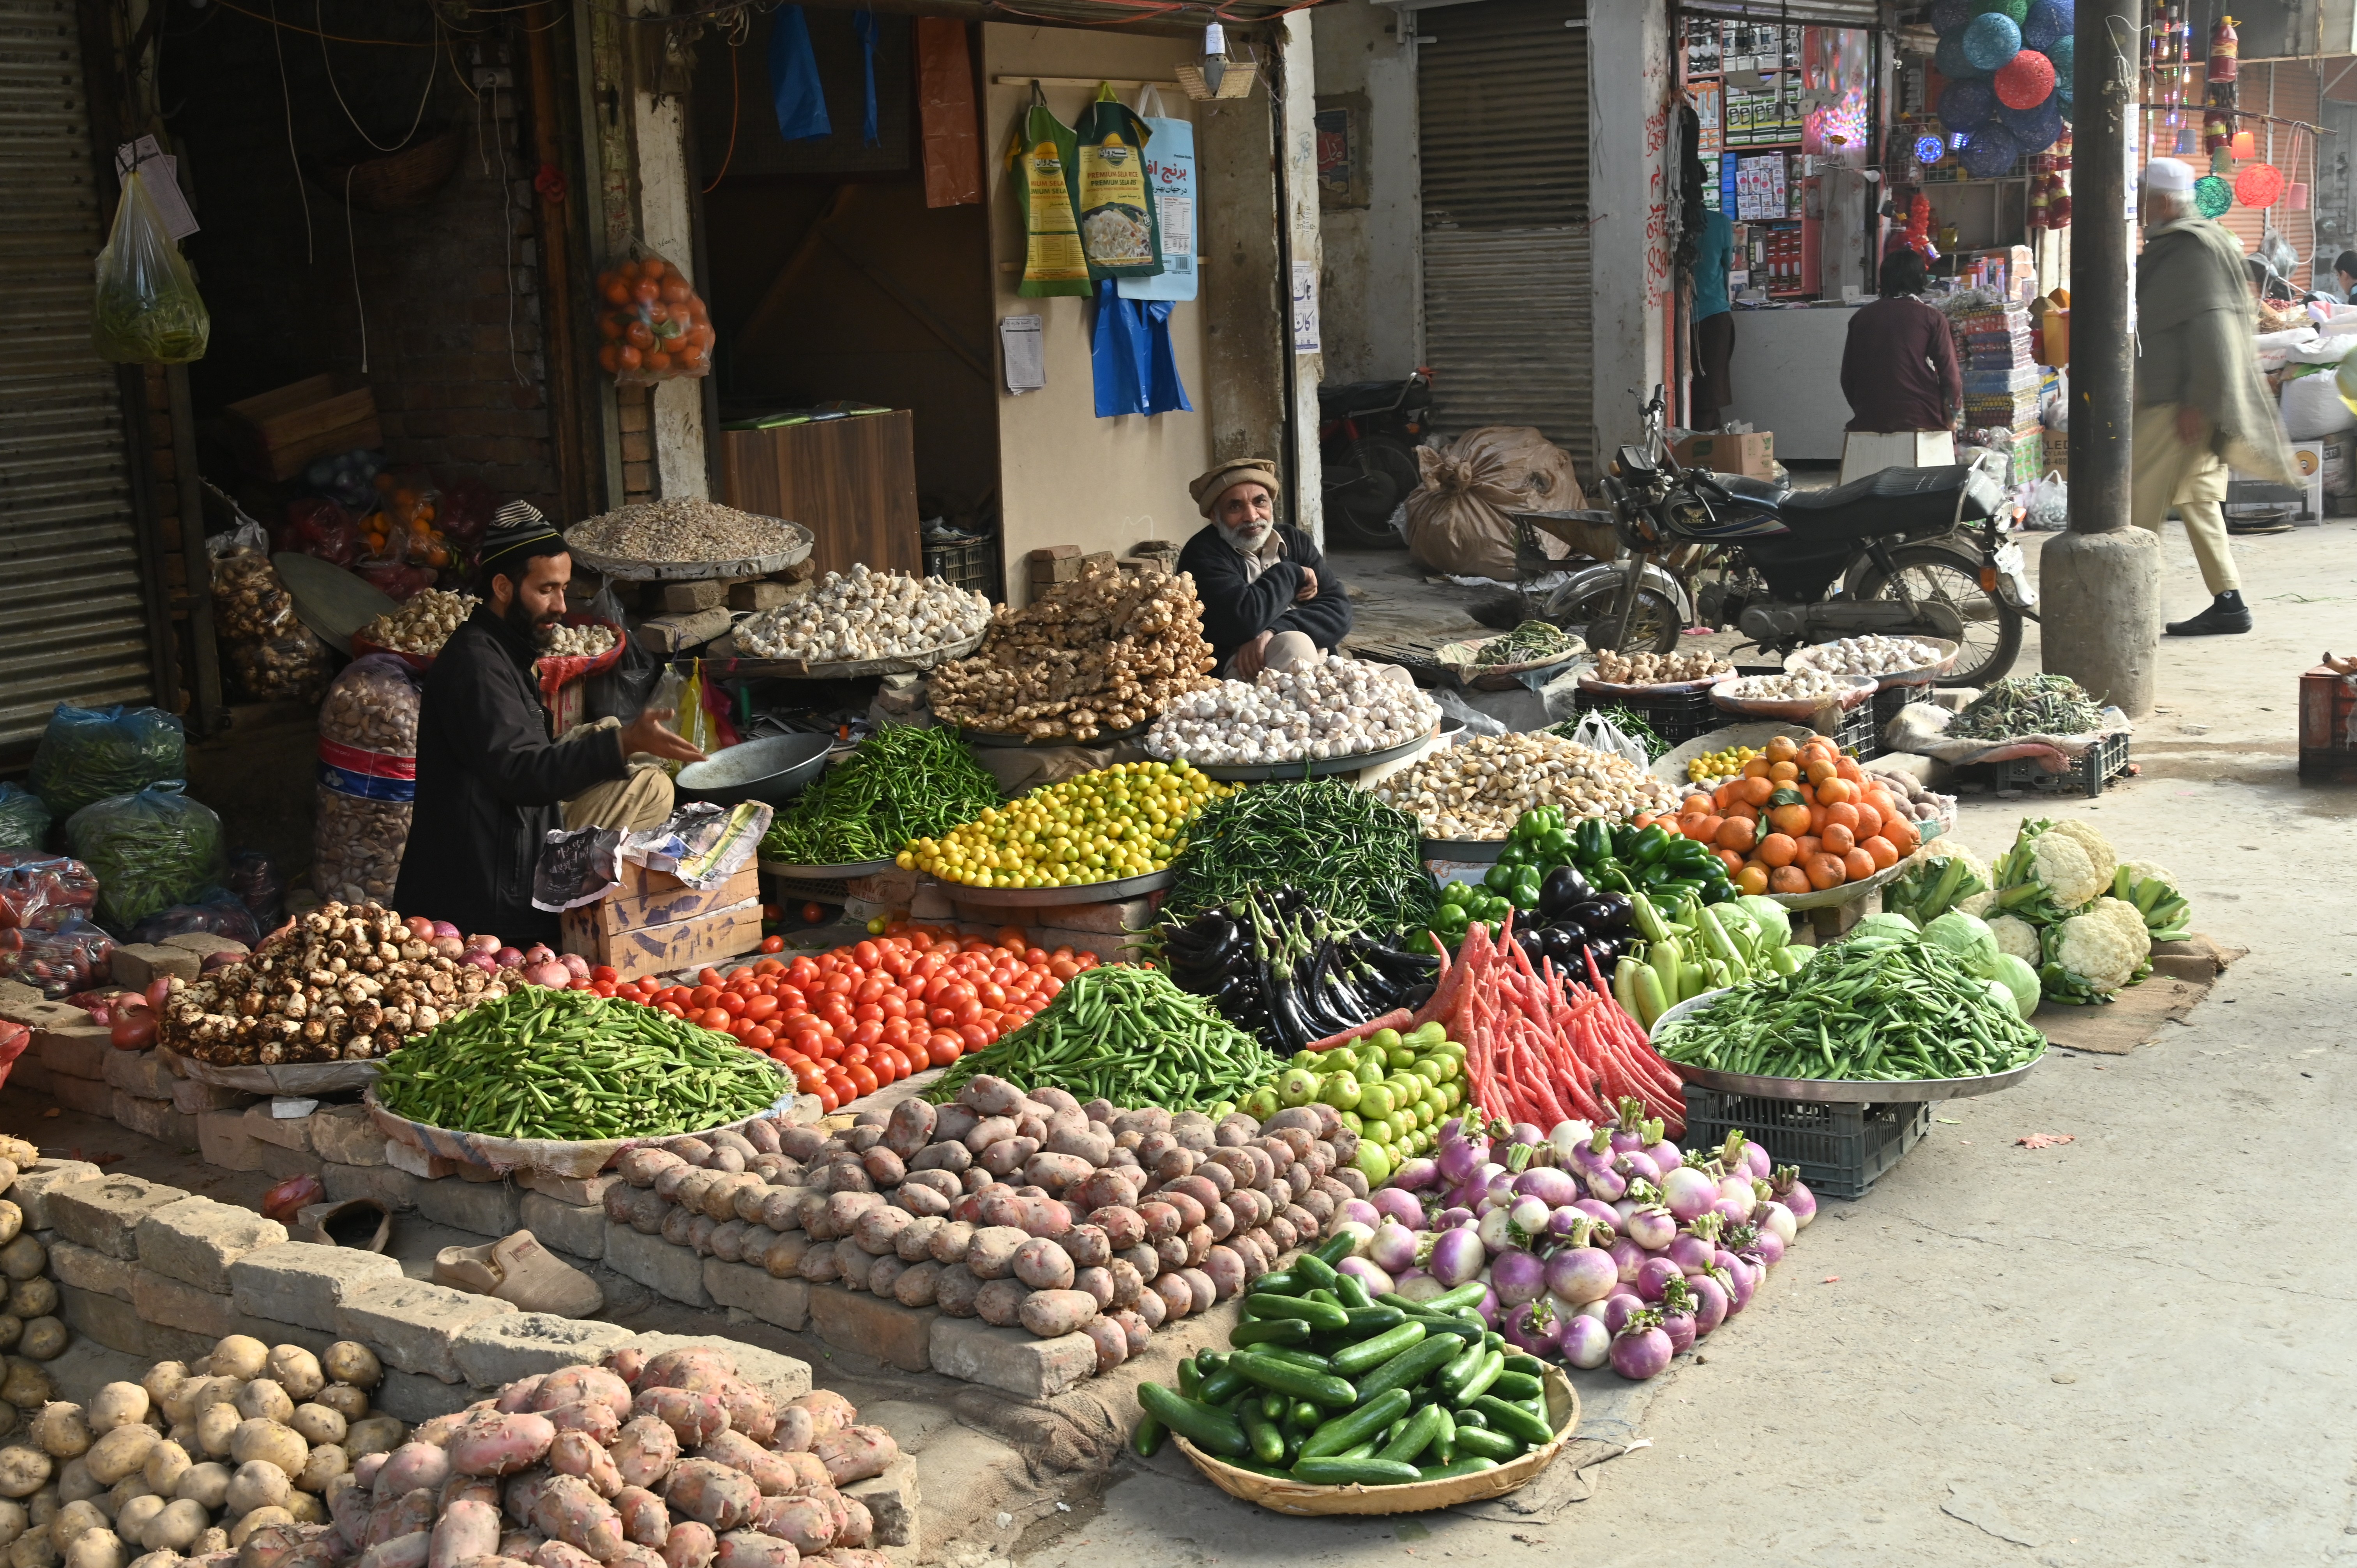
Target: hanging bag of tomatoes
x=652, y=322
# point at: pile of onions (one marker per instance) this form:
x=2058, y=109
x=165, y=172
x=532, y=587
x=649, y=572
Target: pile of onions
x=1599, y=1244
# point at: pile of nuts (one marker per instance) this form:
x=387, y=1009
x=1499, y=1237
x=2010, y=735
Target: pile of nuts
x=1123, y=1220
x=341, y=984
x=867, y=614
x=1104, y=651
x=1658, y=669
x=682, y=531
x=558, y=640
x=422, y=623
x=275, y=654
x=1872, y=655
x=1476, y=788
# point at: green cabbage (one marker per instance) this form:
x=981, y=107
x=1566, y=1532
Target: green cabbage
x=1969, y=938
x=2019, y=979
x=1883, y=930
x=1769, y=916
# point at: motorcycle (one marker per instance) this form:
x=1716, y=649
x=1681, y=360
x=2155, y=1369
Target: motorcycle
x=1367, y=435
x=1905, y=552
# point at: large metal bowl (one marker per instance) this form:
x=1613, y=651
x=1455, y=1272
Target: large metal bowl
x=1876, y=1091
x=771, y=770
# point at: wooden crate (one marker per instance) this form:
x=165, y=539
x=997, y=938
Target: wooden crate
x=645, y=898
x=276, y=433
x=712, y=937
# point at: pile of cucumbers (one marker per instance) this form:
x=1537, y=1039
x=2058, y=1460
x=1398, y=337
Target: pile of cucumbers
x=1328, y=1385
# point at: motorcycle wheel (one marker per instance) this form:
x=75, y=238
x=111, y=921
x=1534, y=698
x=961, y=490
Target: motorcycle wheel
x=1992, y=637
x=1365, y=482
x=1654, y=629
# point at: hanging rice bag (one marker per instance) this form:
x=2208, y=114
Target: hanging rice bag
x=1120, y=230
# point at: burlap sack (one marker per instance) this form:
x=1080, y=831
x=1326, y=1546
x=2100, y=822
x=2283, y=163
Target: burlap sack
x=1457, y=518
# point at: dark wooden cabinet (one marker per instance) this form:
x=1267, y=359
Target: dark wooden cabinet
x=851, y=482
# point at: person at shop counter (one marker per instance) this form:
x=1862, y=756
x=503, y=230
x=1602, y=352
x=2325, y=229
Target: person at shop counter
x=1899, y=365
x=1269, y=599
x=491, y=782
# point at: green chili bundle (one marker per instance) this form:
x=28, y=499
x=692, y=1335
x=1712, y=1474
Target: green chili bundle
x=1129, y=1036
x=1358, y=859
x=567, y=1065
x=1859, y=1013
x=901, y=784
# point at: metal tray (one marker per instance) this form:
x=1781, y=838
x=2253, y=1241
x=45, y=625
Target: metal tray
x=1834, y=1090
x=1262, y=772
x=1922, y=675
x=1846, y=893
x=695, y=571
x=1043, y=898
x=843, y=873
x=1104, y=738
x=760, y=666
x=1478, y=851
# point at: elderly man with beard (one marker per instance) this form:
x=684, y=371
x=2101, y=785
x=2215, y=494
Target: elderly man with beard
x=491, y=780
x=1269, y=599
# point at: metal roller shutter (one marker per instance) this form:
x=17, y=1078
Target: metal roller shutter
x=1502, y=101
x=1831, y=12
x=2287, y=90
x=75, y=626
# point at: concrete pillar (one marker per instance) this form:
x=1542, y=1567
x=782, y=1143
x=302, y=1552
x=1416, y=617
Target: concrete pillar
x=660, y=136
x=1628, y=209
x=1297, y=144
x=2100, y=580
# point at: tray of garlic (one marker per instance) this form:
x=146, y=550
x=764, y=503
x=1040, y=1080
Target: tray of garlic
x=1334, y=716
x=1795, y=694
x=865, y=622
x=1891, y=660
x=589, y=640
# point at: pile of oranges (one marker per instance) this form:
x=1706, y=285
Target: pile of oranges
x=653, y=322
x=403, y=517
x=1801, y=818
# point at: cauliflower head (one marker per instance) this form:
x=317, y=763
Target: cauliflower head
x=2100, y=852
x=2124, y=919
x=2091, y=955
x=2145, y=870
x=2017, y=937
x=2047, y=874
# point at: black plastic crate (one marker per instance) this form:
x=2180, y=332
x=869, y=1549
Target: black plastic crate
x=2103, y=761
x=1840, y=1150
x=1859, y=734
x=1890, y=699
x=971, y=563
x=1677, y=719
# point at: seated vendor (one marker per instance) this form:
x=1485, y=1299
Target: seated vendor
x=491, y=782
x=1268, y=598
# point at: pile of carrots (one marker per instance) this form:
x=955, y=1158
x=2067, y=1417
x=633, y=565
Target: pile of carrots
x=1801, y=818
x=1543, y=1047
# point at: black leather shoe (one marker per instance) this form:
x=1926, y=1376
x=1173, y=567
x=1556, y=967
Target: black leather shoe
x=2226, y=616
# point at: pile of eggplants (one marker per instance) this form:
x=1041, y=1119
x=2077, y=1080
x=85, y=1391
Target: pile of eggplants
x=1275, y=965
x=1574, y=919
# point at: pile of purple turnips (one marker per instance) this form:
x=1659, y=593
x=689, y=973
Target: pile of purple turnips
x=1598, y=1243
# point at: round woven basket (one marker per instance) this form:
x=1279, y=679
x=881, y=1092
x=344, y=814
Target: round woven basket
x=401, y=180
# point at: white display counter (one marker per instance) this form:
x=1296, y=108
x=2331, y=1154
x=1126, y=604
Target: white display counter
x=1787, y=376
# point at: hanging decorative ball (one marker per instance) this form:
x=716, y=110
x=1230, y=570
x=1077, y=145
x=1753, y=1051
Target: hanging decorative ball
x=2011, y=10
x=2026, y=80
x=2212, y=196
x=1964, y=104
x=2259, y=184
x=1930, y=149
x=1947, y=16
x=2036, y=129
x=2046, y=21
x=1990, y=151
x=1991, y=39
x=2064, y=52
x=1949, y=61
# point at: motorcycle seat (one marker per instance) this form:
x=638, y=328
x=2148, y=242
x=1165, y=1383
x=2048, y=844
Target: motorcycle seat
x=1744, y=487
x=1894, y=500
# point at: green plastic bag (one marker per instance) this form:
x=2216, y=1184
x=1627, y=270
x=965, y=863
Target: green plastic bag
x=147, y=311
x=150, y=849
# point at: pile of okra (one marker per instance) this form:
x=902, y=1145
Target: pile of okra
x=1328, y=1385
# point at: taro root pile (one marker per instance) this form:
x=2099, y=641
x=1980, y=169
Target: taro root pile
x=1105, y=651
x=1019, y=1209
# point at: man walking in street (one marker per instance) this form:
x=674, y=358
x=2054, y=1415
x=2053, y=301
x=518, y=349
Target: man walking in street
x=2201, y=403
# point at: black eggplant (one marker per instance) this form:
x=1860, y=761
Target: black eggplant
x=1607, y=951
x=1530, y=942
x=1419, y=995
x=1563, y=942
x=1563, y=887
x=1605, y=912
x=1283, y=1016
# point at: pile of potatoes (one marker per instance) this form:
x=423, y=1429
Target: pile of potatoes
x=1029, y=1209
x=190, y=1460
x=30, y=1327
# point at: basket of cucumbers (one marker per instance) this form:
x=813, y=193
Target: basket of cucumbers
x=1330, y=1400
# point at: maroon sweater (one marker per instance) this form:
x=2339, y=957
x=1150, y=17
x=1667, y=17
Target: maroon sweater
x=1898, y=369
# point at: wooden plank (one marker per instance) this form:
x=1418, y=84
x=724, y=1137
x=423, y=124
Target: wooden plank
x=687, y=944
x=851, y=482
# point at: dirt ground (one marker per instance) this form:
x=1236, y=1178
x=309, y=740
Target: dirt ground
x=2095, y=1352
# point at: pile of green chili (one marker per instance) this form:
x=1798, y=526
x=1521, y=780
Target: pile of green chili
x=566, y=1065
x=1129, y=1036
x=900, y=783
x=1357, y=858
x=1881, y=1014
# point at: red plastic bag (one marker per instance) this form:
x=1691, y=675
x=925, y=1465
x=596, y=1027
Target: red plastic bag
x=653, y=321
x=74, y=957
x=468, y=508
x=13, y=1038
x=318, y=526
x=44, y=891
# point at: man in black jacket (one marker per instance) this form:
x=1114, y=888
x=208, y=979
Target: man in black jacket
x=492, y=781
x=1269, y=599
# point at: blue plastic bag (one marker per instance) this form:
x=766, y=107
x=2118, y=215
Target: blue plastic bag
x=863, y=22
x=1131, y=356
x=24, y=819
x=794, y=87
x=90, y=754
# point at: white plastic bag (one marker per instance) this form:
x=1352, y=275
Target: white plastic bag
x=2045, y=504
x=1599, y=734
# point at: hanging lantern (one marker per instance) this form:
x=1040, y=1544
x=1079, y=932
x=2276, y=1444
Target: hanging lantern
x=2221, y=164
x=1947, y=16
x=2044, y=22
x=2296, y=196
x=2034, y=129
x=1990, y=151
x=2212, y=196
x=2245, y=144
x=1950, y=61
x=1991, y=39
x=1928, y=149
x=2259, y=184
x=2026, y=80
x=1964, y=104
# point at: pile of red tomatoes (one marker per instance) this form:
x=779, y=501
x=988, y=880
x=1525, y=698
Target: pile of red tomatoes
x=854, y=1019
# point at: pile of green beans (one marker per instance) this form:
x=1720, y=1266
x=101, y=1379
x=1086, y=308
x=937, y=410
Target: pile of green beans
x=900, y=783
x=1881, y=1013
x=1130, y=1035
x=1330, y=1385
x=1357, y=858
x=566, y=1065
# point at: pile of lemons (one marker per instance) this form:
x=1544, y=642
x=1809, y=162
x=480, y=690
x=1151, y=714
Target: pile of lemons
x=1129, y=819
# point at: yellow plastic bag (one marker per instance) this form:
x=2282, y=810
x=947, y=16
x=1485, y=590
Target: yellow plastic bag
x=147, y=310
x=693, y=719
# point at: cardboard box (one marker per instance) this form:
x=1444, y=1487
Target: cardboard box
x=1752, y=454
x=647, y=899
x=711, y=938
